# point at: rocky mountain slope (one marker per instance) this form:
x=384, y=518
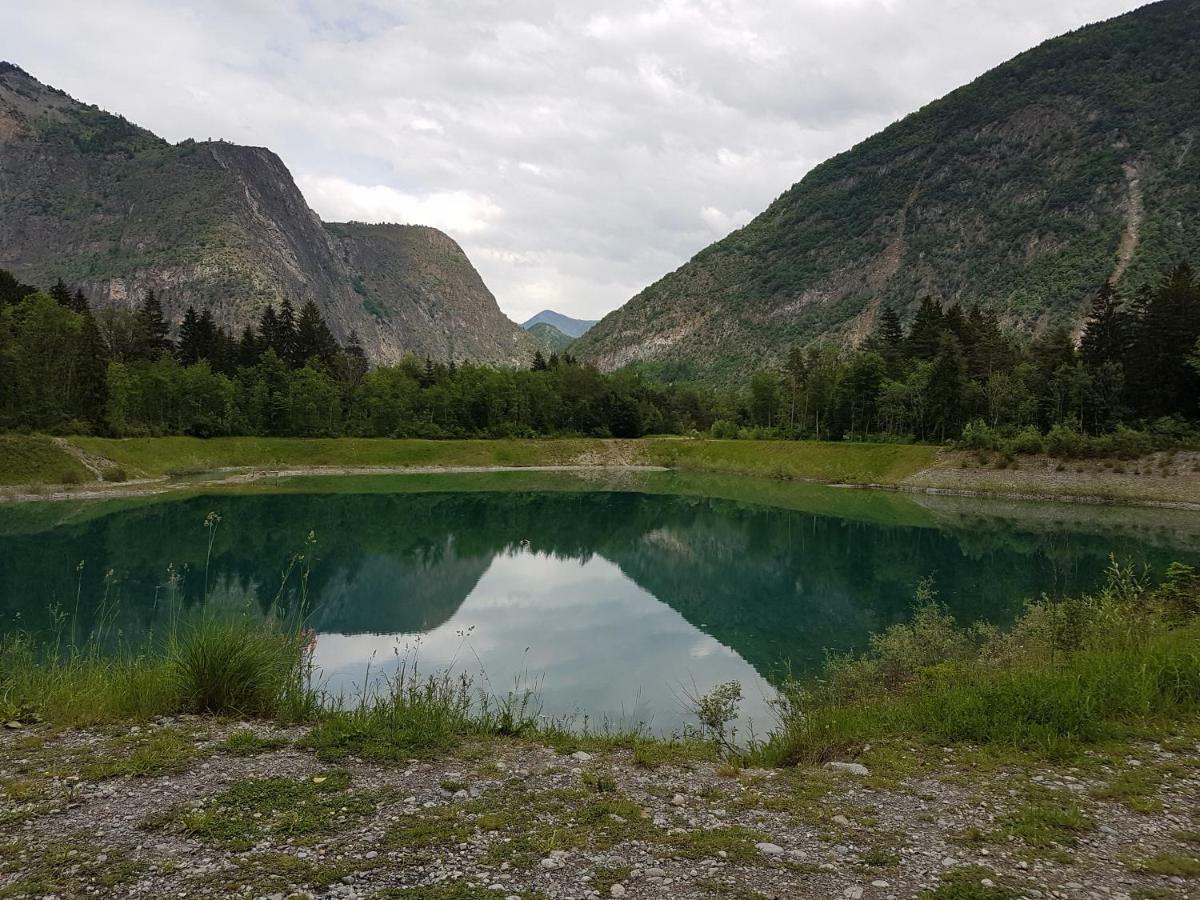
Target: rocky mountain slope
x=1072, y=164
x=103, y=204
x=549, y=338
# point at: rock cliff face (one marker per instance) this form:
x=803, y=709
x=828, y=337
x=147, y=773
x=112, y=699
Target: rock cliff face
x=90, y=198
x=1073, y=164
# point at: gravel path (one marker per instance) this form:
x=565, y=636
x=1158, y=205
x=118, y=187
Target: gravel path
x=197, y=808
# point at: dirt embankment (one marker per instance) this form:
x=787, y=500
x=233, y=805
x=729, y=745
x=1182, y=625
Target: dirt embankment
x=1170, y=479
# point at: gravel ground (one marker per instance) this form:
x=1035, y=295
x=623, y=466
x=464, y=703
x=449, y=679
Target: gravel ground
x=199, y=808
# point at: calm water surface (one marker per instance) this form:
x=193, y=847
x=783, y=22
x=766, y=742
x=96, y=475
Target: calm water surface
x=618, y=599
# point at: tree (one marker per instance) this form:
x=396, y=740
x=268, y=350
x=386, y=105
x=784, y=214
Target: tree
x=188, y=346
x=91, y=401
x=1106, y=333
x=11, y=290
x=539, y=362
x=925, y=336
x=79, y=302
x=150, y=330
x=313, y=339
x=61, y=294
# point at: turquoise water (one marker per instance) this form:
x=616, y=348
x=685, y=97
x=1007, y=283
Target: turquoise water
x=616, y=600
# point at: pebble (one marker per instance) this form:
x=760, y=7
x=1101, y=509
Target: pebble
x=850, y=768
x=768, y=849
x=678, y=800
x=617, y=890
x=854, y=892
x=841, y=820
x=581, y=756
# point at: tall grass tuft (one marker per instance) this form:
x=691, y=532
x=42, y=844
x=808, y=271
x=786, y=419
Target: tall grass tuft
x=236, y=665
x=417, y=715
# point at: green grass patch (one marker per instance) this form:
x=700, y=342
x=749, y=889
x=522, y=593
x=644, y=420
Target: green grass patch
x=239, y=665
x=1182, y=865
x=288, y=809
x=245, y=742
x=840, y=462
x=34, y=459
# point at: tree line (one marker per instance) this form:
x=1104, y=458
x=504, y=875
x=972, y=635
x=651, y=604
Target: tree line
x=1136, y=363
x=66, y=367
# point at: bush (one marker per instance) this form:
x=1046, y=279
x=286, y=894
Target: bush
x=1065, y=442
x=724, y=430
x=977, y=435
x=1027, y=442
x=114, y=474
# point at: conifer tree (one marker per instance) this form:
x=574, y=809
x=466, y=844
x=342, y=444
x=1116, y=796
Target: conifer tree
x=1106, y=333
x=61, y=294
x=925, y=336
x=150, y=329
x=79, y=302
x=92, y=374
x=188, y=346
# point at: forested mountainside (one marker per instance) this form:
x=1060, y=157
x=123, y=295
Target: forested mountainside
x=108, y=207
x=1071, y=166
x=570, y=327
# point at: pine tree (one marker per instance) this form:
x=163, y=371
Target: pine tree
x=150, y=329
x=206, y=336
x=188, y=346
x=1161, y=382
x=61, y=294
x=928, y=327
x=11, y=290
x=539, y=362
x=79, y=302
x=1106, y=333
x=268, y=330
x=248, y=348
x=428, y=376
x=313, y=338
x=286, y=333
x=92, y=360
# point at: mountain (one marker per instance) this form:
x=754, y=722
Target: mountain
x=107, y=206
x=549, y=339
x=1073, y=164
x=568, y=326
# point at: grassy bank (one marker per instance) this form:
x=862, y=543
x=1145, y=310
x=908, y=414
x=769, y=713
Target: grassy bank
x=1067, y=675
x=818, y=461
x=35, y=459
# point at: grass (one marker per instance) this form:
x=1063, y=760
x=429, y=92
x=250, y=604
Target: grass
x=1068, y=674
x=292, y=810
x=841, y=462
x=34, y=459
x=819, y=461
x=241, y=665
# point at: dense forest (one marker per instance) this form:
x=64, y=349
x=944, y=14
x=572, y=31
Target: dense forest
x=953, y=373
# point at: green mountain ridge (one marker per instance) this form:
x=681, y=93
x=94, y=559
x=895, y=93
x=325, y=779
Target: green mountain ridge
x=1071, y=165
x=549, y=339
x=88, y=197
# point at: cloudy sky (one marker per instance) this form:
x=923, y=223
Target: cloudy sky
x=578, y=149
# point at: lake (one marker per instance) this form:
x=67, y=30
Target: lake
x=616, y=595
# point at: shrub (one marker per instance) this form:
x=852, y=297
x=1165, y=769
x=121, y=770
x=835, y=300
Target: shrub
x=1029, y=442
x=724, y=430
x=238, y=666
x=1065, y=442
x=978, y=436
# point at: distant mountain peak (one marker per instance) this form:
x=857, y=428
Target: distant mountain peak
x=570, y=327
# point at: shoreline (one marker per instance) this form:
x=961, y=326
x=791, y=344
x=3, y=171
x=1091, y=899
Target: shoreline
x=152, y=466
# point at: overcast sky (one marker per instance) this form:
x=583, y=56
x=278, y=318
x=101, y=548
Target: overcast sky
x=577, y=149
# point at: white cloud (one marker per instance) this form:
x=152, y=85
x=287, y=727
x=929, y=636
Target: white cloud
x=578, y=149
x=455, y=211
